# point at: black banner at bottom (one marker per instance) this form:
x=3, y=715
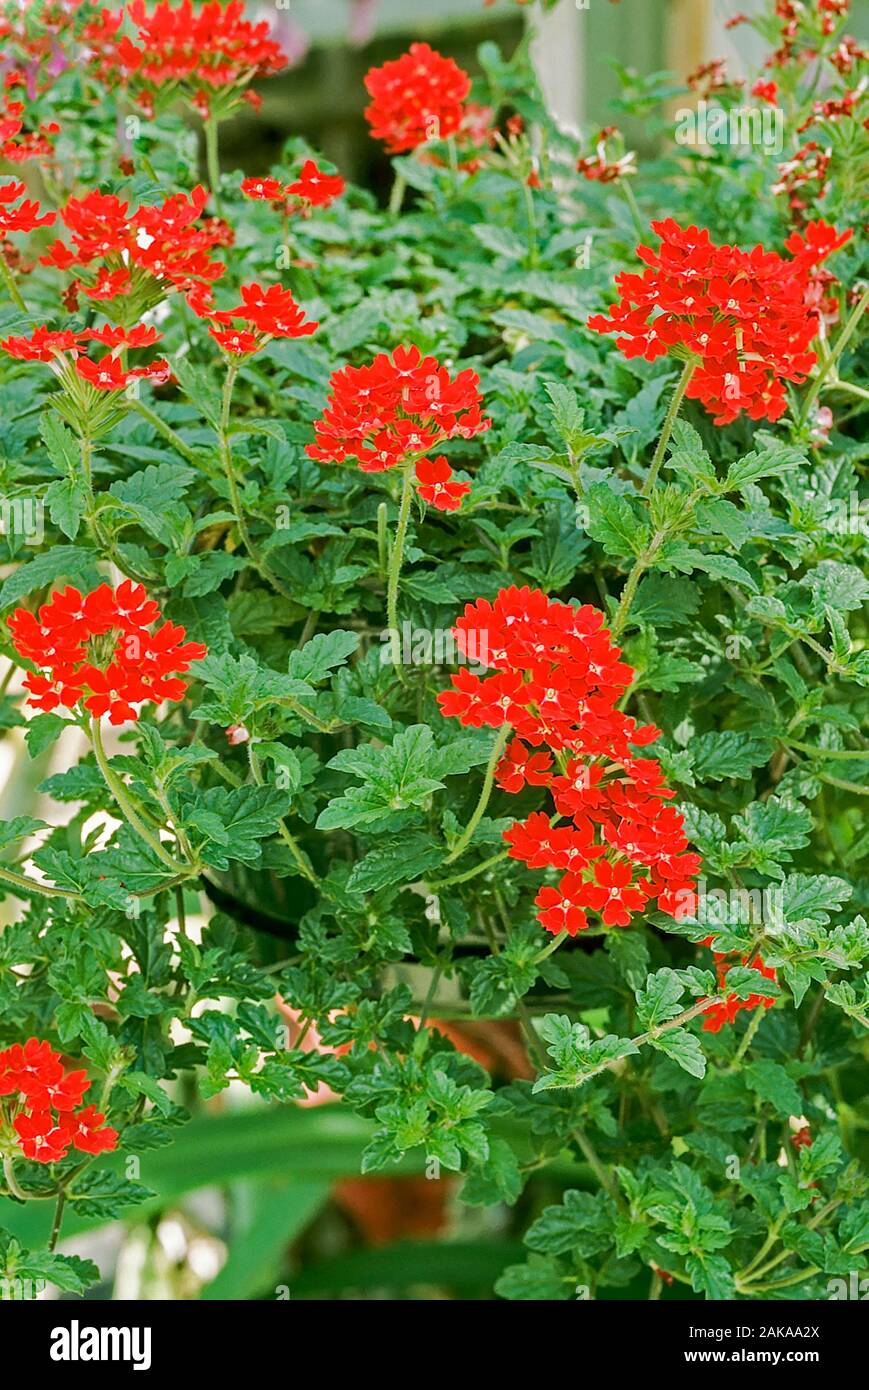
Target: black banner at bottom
x=73, y=1336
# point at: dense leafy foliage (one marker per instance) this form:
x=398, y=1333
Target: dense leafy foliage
x=298, y=844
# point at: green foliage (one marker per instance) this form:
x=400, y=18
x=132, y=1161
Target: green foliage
x=281, y=883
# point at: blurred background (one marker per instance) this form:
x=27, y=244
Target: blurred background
x=265, y=1202
x=578, y=49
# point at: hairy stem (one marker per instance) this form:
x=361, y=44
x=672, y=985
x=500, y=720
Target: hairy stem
x=669, y=420
x=468, y=833
x=396, y=555
x=212, y=160
x=847, y=333
x=119, y=792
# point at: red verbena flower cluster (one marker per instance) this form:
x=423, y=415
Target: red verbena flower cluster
x=312, y=189
x=747, y=317
x=66, y=353
x=415, y=98
x=212, y=52
x=99, y=651
x=264, y=313
x=25, y=217
x=39, y=1103
x=396, y=411
x=725, y=1010
x=17, y=143
x=130, y=261
x=557, y=683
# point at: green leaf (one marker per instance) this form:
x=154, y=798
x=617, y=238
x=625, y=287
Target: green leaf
x=20, y=1268
x=770, y=461
x=11, y=831
x=400, y=859
x=42, y=731
x=60, y=562
x=233, y=822
x=66, y=500
x=683, y=1047
x=728, y=754
x=150, y=493
x=577, y=1057
x=582, y=1224
x=60, y=443
x=688, y=457
x=616, y=521
x=539, y=1280
x=659, y=1000
x=322, y=654
x=771, y=1083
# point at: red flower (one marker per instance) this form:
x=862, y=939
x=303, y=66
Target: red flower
x=273, y=312
x=139, y=256
x=725, y=1011
x=23, y=218
x=40, y=1137
x=394, y=412
x=88, y=1132
x=235, y=342
x=270, y=190
x=139, y=666
x=18, y=144
x=416, y=98
x=519, y=767
x=41, y=1098
x=558, y=912
x=42, y=346
x=601, y=166
x=108, y=374
x=745, y=316
x=767, y=91
x=557, y=682
x=209, y=52
x=315, y=187
x=434, y=486
x=611, y=894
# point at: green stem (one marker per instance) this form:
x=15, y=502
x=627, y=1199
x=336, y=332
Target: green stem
x=454, y=164
x=166, y=430
x=212, y=160
x=119, y=792
x=850, y=388
x=554, y=944
x=396, y=555
x=11, y=287
x=468, y=833
x=225, y=452
x=531, y=220
x=468, y=873
x=846, y=754
x=12, y=1181
x=396, y=197
x=56, y=1223
x=842, y=341
x=31, y=885
x=631, y=201
x=289, y=839
x=629, y=592
x=669, y=420
x=756, y=1020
